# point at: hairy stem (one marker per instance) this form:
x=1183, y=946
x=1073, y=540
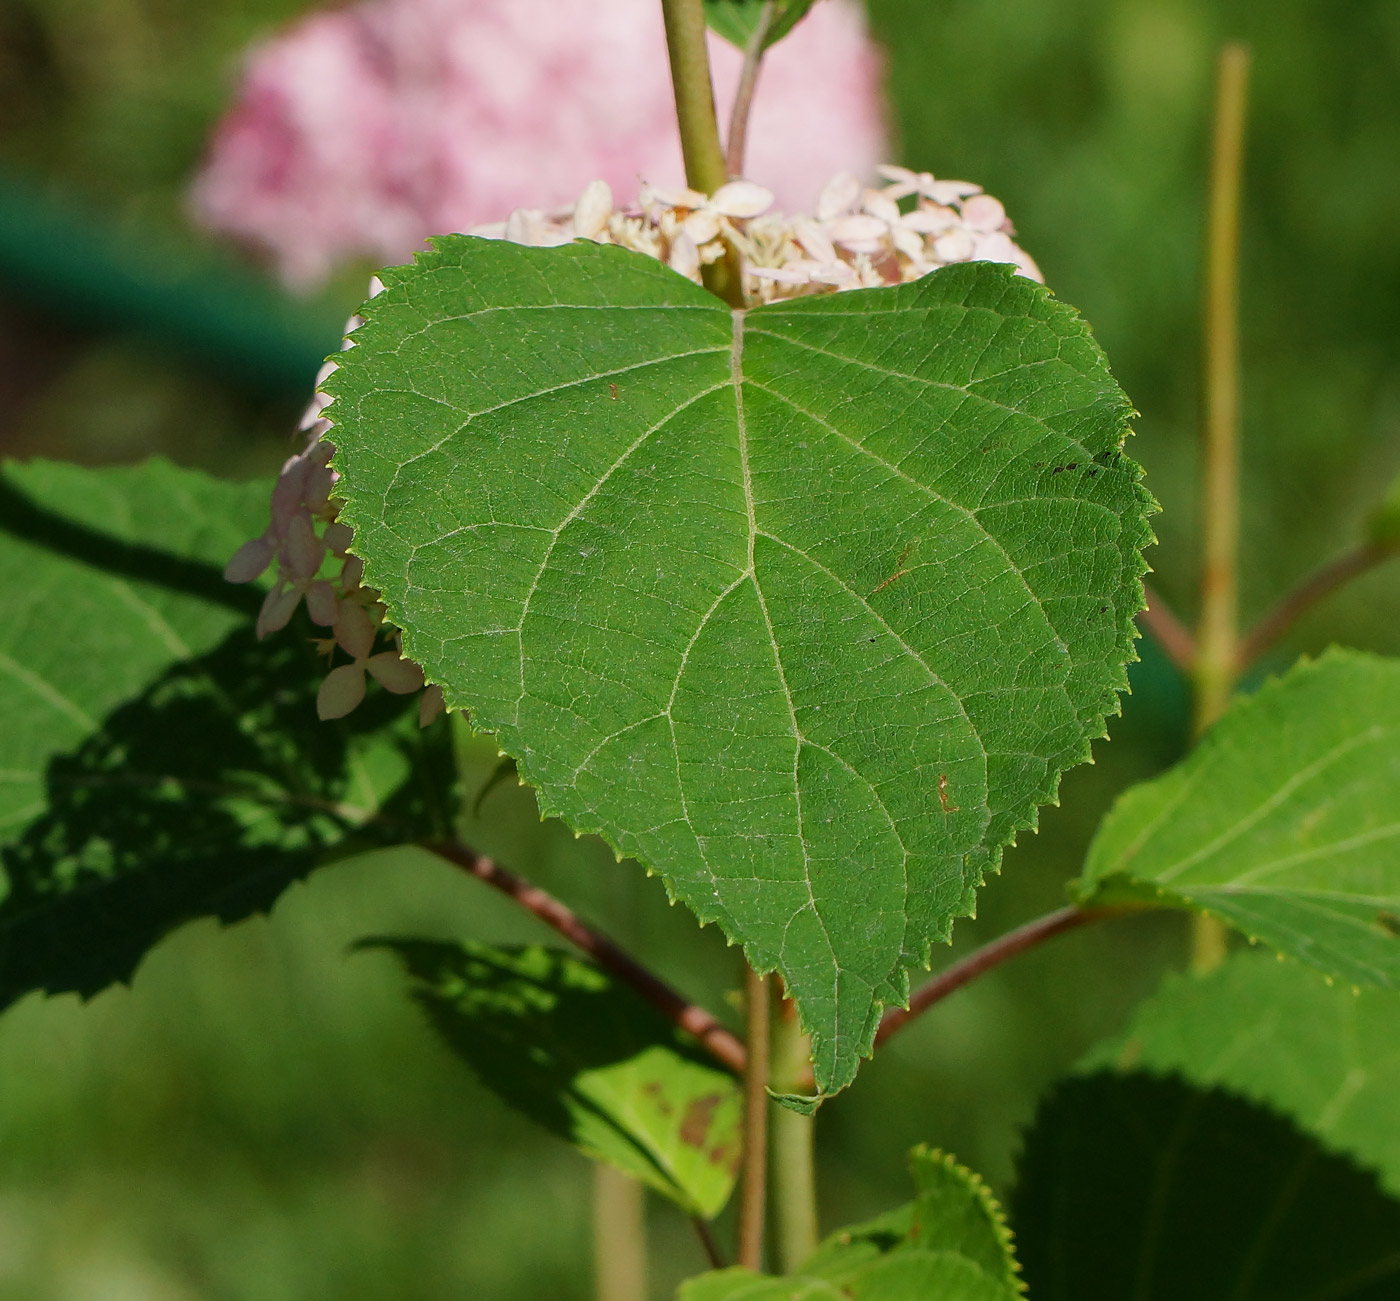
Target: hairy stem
x=1168, y=631
x=694, y=1020
x=1317, y=586
x=753, y=1190
x=738, y=137
x=619, y=1236
x=1217, y=639
x=992, y=955
x=793, y=1160
x=699, y=128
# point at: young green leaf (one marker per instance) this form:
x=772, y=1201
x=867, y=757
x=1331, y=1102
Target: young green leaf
x=737, y=20
x=950, y=1242
x=580, y=1054
x=172, y=768
x=805, y=608
x=1274, y=1032
x=1131, y=1186
x=1284, y=821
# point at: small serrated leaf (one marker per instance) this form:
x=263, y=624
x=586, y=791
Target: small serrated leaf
x=806, y=608
x=955, y=1211
x=950, y=1242
x=1282, y=821
x=586, y=1058
x=1132, y=1186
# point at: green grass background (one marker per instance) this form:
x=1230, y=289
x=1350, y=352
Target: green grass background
x=262, y=1115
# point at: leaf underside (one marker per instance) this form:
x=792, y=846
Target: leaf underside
x=1284, y=821
x=586, y=1058
x=805, y=608
x=1323, y=1054
x=1131, y=1186
x=737, y=20
x=157, y=762
x=949, y=1243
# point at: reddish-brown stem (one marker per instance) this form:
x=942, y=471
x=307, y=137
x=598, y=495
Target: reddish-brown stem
x=1173, y=636
x=736, y=142
x=1317, y=586
x=695, y=1021
x=989, y=956
x=708, y=1244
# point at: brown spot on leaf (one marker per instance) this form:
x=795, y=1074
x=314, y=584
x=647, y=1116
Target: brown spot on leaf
x=696, y=1123
x=658, y=1096
x=612, y=388
x=899, y=570
x=948, y=807
x=726, y=1155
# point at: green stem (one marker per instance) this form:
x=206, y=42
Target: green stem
x=695, y=96
x=705, y=168
x=754, y=1188
x=793, y=1158
x=619, y=1236
x=1217, y=638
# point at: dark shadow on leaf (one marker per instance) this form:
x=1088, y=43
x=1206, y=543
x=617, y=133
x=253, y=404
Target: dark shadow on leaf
x=562, y=1042
x=530, y=1028
x=1135, y=1186
x=207, y=795
x=24, y=518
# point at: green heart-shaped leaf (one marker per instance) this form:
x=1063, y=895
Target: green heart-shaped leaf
x=806, y=608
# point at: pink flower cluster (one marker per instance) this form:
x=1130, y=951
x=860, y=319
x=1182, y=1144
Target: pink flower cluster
x=365, y=128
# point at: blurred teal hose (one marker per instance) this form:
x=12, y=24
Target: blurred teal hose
x=61, y=261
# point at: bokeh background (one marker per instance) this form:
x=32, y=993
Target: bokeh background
x=263, y=1116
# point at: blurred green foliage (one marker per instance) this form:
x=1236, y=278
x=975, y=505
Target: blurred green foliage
x=262, y=1115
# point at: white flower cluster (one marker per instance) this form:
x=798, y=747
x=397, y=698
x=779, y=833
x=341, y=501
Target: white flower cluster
x=311, y=551
x=859, y=238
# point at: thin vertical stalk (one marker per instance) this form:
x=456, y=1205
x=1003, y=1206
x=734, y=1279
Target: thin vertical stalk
x=754, y=1189
x=737, y=139
x=793, y=1159
x=1217, y=638
x=695, y=96
x=619, y=1236
x=705, y=168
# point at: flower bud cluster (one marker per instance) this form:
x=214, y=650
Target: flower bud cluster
x=859, y=237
